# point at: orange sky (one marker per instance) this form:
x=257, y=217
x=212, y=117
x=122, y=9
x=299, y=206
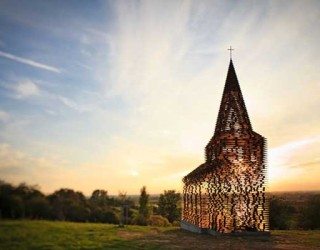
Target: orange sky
x=129, y=96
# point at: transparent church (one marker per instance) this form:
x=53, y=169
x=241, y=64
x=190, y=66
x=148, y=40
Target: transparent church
x=226, y=194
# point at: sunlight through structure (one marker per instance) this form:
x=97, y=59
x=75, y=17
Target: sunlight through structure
x=226, y=194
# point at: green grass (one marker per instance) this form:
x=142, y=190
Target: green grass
x=67, y=235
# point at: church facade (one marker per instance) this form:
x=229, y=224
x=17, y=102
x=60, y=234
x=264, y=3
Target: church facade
x=226, y=194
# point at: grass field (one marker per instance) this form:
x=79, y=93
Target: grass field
x=67, y=235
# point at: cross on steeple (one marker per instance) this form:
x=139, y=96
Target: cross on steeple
x=230, y=52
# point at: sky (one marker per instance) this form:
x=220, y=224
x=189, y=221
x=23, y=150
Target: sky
x=119, y=94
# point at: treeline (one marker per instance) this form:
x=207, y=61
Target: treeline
x=25, y=201
x=28, y=202
x=286, y=214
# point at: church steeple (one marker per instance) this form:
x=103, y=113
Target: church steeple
x=232, y=83
x=226, y=193
x=233, y=114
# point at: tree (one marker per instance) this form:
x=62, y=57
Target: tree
x=281, y=214
x=69, y=205
x=22, y=201
x=310, y=214
x=6, y=193
x=99, y=197
x=101, y=207
x=143, y=207
x=17, y=207
x=168, y=205
x=38, y=207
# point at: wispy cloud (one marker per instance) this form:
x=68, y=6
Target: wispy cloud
x=71, y=104
x=281, y=155
x=27, y=88
x=306, y=164
x=293, y=160
x=29, y=62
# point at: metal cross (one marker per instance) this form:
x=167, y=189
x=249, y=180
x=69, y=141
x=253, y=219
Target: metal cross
x=230, y=52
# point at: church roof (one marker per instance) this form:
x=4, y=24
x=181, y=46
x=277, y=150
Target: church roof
x=202, y=170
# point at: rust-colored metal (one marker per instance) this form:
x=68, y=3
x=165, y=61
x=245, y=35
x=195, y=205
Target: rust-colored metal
x=227, y=193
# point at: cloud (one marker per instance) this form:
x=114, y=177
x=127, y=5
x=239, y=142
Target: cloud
x=4, y=116
x=283, y=154
x=29, y=62
x=71, y=104
x=25, y=88
x=67, y=102
x=307, y=164
x=294, y=160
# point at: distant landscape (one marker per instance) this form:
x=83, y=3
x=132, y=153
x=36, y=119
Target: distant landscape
x=288, y=210
x=67, y=219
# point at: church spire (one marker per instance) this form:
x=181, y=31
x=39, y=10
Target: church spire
x=232, y=83
x=233, y=113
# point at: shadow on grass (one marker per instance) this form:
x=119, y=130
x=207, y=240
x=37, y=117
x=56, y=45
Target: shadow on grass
x=180, y=239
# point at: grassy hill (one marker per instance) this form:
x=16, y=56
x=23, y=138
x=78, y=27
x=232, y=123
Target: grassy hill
x=25, y=234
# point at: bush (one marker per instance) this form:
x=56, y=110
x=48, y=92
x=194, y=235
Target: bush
x=158, y=221
x=139, y=220
x=110, y=217
x=176, y=223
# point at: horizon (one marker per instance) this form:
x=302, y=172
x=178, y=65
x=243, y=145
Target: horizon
x=150, y=194
x=118, y=95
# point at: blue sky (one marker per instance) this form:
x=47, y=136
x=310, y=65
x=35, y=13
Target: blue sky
x=94, y=94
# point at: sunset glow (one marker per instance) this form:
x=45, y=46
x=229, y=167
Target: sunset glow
x=116, y=95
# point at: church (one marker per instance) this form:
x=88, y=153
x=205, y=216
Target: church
x=226, y=194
